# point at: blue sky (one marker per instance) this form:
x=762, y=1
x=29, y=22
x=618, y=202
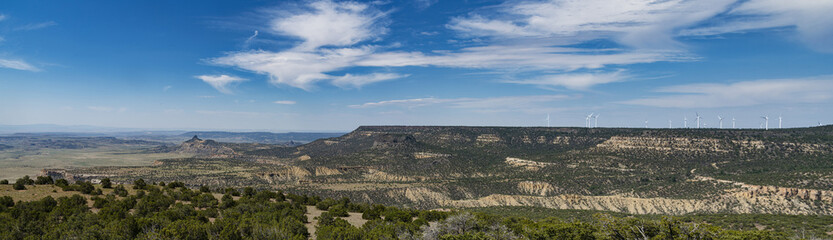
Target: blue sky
x=336, y=65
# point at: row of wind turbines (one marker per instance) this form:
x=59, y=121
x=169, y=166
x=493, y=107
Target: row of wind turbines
x=765, y=124
x=592, y=121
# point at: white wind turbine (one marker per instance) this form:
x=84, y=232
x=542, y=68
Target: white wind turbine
x=548, y=120
x=698, y=119
x=596, y=119
x=721, y=120
x=733, y=122
x=766, y=122
x=685, y=122
x=669, y=123
x=646, y=123
x=587, y=120
x=779, y=121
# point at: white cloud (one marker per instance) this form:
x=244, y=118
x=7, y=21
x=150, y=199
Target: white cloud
x=811, y=20
x=36, y=26
x=323, y=25
x=166, y=88
x=327, y=23
x=748, y=93
x=18, y=64
x=299, y=69
x=221, y=82
x=284, y=102
x=574, y=81
x=528, y=56
x=649, y=24
x=250, y=39
x=536, y=103
x=356, y=81
x=639, y=23
x=311, y=62
x=2, y=17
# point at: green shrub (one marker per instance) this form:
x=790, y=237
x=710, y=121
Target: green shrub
x=43, y=180
x=106, y=183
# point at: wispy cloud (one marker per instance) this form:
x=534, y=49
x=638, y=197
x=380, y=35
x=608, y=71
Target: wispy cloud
x=36, y=26
x=356, y=81
x=221, y=82
x=284, y=102
x=321, y=24
x=574, y=81
x=642, y=23
x=327, y=23
x=166, y=88
x=811, y=20
x=423, y=4
x=536, y=103
x=533, y=56
x=250, y=40
x=18, y=64
x=2, y=17
x=748, y=93
x=648, y=24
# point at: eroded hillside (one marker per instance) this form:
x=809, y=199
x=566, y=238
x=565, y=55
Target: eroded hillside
x=661, y=171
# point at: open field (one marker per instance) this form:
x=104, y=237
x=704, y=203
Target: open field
x=18, y=162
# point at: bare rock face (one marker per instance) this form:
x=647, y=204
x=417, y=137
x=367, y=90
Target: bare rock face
x=201, y=147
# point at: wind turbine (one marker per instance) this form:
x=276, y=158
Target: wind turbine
x=646, y=123
x=779, y=121
x=698, y=119
x=766, y=122
x=548, y=120
x=721, y=120
x=669, y=123
x=733, y=122
x=596, y=119
x=587, y=120
x=685, y=122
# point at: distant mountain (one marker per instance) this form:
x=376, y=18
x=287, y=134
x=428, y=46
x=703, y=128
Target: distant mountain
x=292, y=138
x=201, y=147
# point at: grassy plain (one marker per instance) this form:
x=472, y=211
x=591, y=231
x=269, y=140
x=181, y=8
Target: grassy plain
x=18, y=162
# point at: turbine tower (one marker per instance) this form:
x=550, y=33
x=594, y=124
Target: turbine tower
x=766, y=122
x=548, y=120
x=685, y=122
x=596, y=119
x=721, y=120
x=779, y=121
x=646, y=123
x=698, y=119
x=587, y=120
x=669, y=123
x=733, y=122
